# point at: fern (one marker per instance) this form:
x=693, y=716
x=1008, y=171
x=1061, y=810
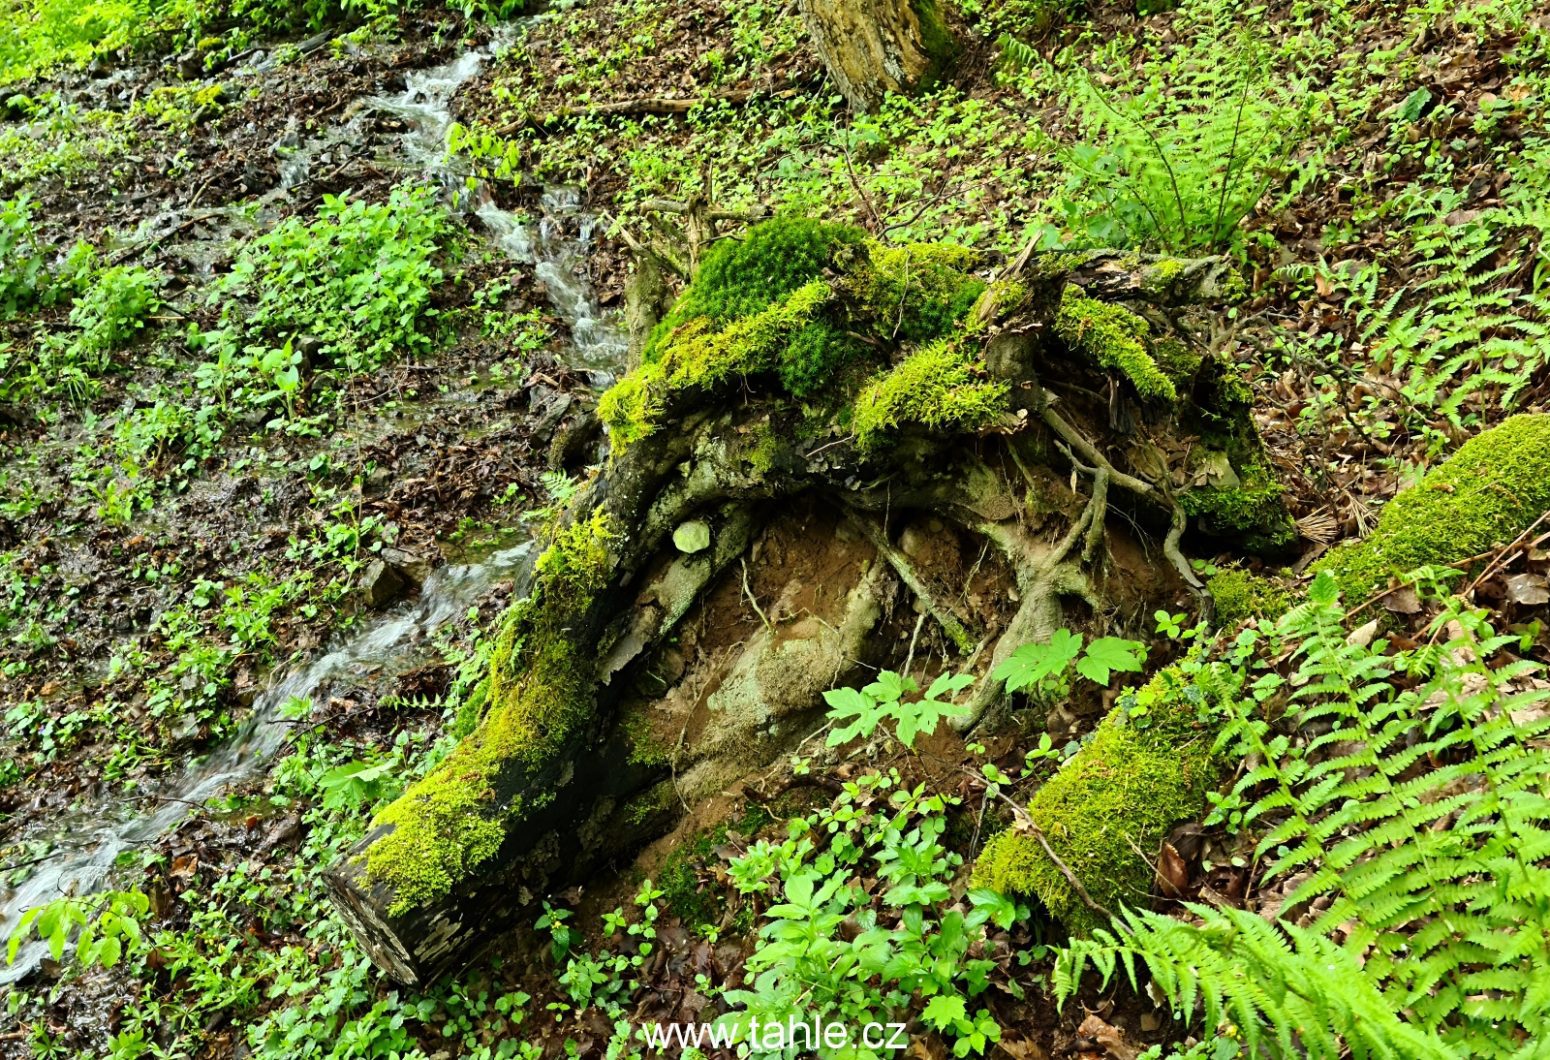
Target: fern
x=1474, y=330
x=1407, y=814
x=1177, y=164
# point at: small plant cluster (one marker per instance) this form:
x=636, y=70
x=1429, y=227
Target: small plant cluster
x=876, y=859
x=1402, y=799
x=344, y=293
x=1176, y=165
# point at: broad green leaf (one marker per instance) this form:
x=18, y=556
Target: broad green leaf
x=943, y=1011
x=1107, y=654
x=1032, y=663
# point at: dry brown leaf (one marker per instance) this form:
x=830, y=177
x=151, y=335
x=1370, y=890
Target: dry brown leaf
x=1172, y=872
x=1110, y=1037
x=1528, y=589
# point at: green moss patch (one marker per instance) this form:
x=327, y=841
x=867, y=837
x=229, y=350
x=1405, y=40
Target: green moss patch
x=539, y=693
x=1486, y=494
x=1250, y=513
x=798, y=302
x=1118, y=796
x=937, y=387
x=1240, y=595
x=1113, y=337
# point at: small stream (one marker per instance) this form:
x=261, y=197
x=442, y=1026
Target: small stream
x=88, y=842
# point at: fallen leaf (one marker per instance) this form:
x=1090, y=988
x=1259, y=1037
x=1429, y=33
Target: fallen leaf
x=1110, y=1037
x=1172, y=872
x=1528, y=589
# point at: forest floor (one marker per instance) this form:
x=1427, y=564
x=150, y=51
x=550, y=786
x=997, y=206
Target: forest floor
x=172, y=537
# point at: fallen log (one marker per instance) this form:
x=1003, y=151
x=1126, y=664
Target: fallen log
x=806, y=366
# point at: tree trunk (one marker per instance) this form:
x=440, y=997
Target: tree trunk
x=873, y=47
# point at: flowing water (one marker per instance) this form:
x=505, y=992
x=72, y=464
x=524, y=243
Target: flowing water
x=87, y=843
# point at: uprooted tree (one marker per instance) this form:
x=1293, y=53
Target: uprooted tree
x=887, y=421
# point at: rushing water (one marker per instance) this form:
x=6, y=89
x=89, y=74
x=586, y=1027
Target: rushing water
x=86, y=846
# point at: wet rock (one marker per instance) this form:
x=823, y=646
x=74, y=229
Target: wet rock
x=692, y=536
x=378, y=481
x=413, y=567
x=381, y=584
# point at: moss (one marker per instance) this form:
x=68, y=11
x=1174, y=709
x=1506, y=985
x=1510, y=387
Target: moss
x=1108, y=809
x=1114, y=338
x=938, y=42
x=1239, y=595
x=540, y=691
x=1250, y=513
x=937, y=387
x=1177, y=361
x=679, y=880
x=1161, y=273
x=699, y=355
x=1486, y=494
x=740, y=277
x=916, y=292
x=646, y=748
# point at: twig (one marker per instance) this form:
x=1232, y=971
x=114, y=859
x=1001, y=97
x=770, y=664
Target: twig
x=748, y=592
x=909, y=660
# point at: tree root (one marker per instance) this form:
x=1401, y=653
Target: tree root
x=956, y=631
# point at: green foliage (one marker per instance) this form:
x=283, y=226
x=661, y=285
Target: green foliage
x=857, y=713
x=1180, y=162
x=38, y=35
x=1471, y=330
x=114, y=308
x=1045, y=667
x=940, y=387
x=916, y=292
x=357, y=285
x=1251, y=512
x=23, y=265
x=915, y=951
x=107, y=926
x=1403, y=800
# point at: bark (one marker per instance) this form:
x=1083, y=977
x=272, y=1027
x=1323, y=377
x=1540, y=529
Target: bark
x=873, y=47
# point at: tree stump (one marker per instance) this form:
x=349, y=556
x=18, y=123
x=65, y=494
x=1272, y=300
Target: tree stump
x=809, y=365
x=873, y=47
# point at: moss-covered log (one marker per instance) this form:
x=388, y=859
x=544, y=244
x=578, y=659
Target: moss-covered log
x=809, y=361
x=1104, y=815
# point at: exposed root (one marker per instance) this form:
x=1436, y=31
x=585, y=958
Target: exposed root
x=964, y=640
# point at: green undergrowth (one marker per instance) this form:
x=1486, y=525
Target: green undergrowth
x=340, y=294
x=1396, y=804
x=540, y=685
x=37, y=36
x=1109, y=807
